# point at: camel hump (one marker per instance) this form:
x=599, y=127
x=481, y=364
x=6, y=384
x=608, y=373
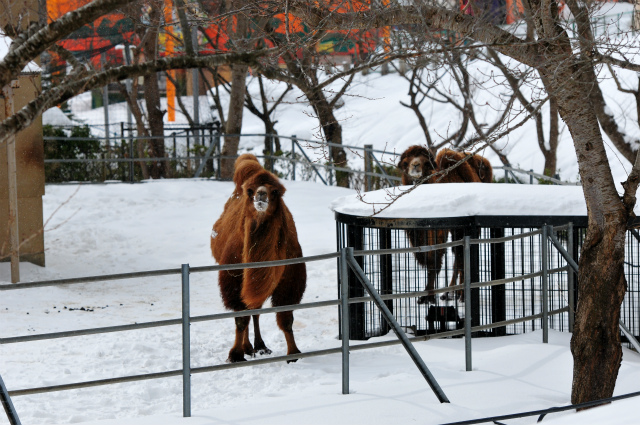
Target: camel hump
x=245, y=166
x=462, y=172
x=483, y=168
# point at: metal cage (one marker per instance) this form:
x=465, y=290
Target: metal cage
x=402, y=273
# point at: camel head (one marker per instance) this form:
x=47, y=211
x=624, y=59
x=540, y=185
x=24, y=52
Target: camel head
x=263, y=190
x=416, y=162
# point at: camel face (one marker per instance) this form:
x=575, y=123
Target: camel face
x=261, y=199
x=415, y=167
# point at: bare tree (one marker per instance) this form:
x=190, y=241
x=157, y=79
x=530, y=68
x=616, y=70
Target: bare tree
x=265, y=111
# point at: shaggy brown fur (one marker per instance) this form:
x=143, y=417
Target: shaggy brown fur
x=245, y=166
x=257, y=226
x=419, y=166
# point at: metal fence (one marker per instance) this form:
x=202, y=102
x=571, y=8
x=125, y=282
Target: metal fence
x=519, y=256
x=197, y=152
x=349, y=265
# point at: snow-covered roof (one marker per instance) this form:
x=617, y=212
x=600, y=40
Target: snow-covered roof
x=467, y=199
x=5, y=42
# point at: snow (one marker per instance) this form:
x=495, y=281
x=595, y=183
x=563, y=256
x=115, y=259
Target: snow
x=466, y=199
x=56, y=117
x=113, y=228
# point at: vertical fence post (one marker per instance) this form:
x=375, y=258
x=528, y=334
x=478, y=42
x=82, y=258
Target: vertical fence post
x=293, y=156
x=188, y=153
x=531, y=177
x=8, y=405
x=271, y=153
x=344, y=312
x=545, y=283
x=186, y=345
x=467, y=302
x=570, y=279
x=217, y=141
x=368, y=166
x=131, y=156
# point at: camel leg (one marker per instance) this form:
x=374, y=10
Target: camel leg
x=458, y=268
x=285, y=323
x=242, y=335
x=433, y=264
x=258, y=344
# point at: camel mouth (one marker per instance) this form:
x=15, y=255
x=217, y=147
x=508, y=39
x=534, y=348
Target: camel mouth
x=415, y=173
x=260, y=206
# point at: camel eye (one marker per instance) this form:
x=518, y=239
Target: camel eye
x=275, y=193
x=250, y=193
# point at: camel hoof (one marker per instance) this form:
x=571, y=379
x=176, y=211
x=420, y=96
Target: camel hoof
x=293, y=353
x=236, y=358
x=427, y=299
x=263, y=351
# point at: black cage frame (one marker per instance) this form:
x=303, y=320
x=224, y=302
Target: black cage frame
x=401, y=273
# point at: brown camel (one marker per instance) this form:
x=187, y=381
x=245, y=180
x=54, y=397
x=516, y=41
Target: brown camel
x=419, y=166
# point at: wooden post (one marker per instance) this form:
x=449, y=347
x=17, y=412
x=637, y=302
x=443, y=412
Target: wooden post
x=14, y=236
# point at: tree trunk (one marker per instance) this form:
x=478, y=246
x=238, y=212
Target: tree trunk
x=238, y=28
x=550, y=154
x=155, y=114
x=332, y=133
x=595, y=344
x=234, y=120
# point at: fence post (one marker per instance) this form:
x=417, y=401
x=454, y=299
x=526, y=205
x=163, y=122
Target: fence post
x=217, y=141
x=545, y=284
x=570, y=279
x=293, y=156
x=368, y=166
x=186, y=345
x=531, y=177
x=344, y=312
x=8, y=405
x=188, y=154
x=384, y=311
x=270, y=152
x=131, y=156
x=467, y=303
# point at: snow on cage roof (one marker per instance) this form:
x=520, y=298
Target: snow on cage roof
x=5, y=42
x=467, y=199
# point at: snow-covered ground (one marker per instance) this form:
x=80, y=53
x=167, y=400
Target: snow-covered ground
x=161, y=224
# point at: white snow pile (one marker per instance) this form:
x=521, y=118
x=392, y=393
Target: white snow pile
x=117, y=228
x=54, y=116
x=465, y=199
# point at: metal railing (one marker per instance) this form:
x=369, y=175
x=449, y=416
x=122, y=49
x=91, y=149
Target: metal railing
x=198, y=152
x=346, y=259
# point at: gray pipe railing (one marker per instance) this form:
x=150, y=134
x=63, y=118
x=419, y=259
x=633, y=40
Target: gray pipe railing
x=345, y=260
x=367, y=152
